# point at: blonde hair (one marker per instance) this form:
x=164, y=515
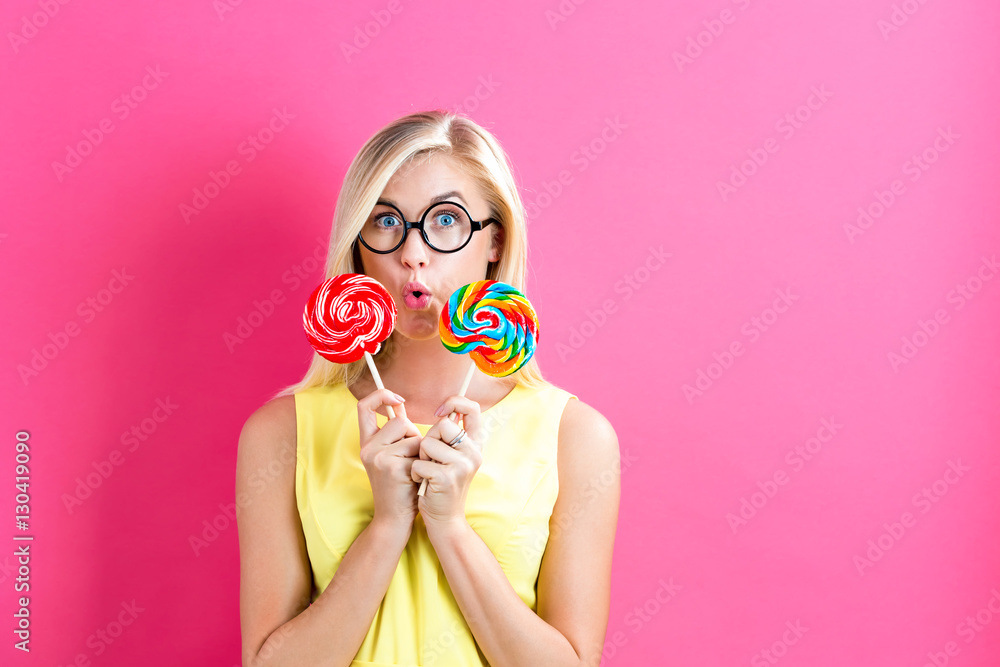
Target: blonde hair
x=402, y=142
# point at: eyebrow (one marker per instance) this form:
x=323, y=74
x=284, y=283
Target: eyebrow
x=454, y=194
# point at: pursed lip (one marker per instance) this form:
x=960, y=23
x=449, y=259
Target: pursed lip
x=411, y=287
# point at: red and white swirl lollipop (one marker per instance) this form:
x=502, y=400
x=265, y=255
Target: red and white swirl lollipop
x=348, y=317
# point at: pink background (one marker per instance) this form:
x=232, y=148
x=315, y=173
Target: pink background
x=691, y=585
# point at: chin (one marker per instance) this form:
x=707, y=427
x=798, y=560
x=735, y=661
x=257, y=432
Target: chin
x=418, y=326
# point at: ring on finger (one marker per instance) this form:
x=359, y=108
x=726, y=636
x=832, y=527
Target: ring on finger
x=458, y=438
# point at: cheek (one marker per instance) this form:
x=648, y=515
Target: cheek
x=479, y=251
x=469, y=268
x=373, y=266
x=418, y=326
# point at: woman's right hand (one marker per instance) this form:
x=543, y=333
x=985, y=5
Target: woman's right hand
x=388, y=454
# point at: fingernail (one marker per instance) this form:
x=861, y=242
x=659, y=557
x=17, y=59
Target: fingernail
x=399, y=398
x=439, y=412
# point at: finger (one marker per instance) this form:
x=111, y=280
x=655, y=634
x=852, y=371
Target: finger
x=389, y=433
x=411, y=428
x=367, y=421
x=400, y=410
x=440, y=452
x=429, y=470
x=407, y=447
x=469, y=409
x=446, y=431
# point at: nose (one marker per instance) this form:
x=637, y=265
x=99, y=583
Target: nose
x=414, y=250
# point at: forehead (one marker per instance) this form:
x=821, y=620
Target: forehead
x=416, y=184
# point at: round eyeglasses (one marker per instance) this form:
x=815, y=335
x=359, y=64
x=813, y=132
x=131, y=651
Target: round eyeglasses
x=445, y=226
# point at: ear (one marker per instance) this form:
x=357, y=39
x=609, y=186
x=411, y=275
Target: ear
x=497, y=244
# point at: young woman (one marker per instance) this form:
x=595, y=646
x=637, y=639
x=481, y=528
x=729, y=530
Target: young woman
x=506, y=559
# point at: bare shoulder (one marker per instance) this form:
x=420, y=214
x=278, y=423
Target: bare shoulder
x=585, y=432
x=587, y=449
x=275, y=578
x=270, y=431
x=574, y=580
x=278, y=413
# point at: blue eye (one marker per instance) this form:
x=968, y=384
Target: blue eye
x=385, y=216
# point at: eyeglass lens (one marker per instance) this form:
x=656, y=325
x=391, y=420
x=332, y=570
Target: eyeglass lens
x=447, y=227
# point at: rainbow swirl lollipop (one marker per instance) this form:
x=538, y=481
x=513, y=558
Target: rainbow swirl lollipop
x=347, y=316
x=494, y=323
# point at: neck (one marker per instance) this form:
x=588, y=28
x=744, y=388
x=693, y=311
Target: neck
x=424, y=372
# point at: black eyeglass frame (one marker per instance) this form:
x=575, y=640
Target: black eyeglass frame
x=407, y=226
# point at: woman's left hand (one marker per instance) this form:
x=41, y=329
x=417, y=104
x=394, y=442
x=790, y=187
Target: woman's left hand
x=450, y=470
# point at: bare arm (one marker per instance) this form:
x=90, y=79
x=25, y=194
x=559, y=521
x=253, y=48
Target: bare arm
x=574, y=580
x=278, y=625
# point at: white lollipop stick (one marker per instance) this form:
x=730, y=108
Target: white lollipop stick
x=465, y=386
x=378, y=381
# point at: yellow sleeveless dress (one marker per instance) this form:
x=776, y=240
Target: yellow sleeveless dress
x=509, y=504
